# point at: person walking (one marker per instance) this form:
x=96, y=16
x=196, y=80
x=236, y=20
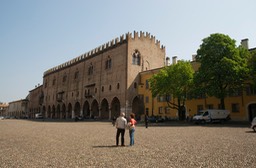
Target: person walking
x=146, y=121
x=121, y=123
x=132, y=128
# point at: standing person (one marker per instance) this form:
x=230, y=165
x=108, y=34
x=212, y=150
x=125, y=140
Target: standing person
x=121, y=123
x=146, y=121
x=132, y=128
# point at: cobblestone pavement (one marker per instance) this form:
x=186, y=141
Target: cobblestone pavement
x=26, y=143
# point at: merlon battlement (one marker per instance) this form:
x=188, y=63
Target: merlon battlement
x=114, y=42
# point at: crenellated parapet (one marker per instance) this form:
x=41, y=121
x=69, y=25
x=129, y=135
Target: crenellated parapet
x=144, y=35
x=110, y=44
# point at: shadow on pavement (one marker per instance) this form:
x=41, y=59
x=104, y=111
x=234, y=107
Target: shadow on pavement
x=106, y=146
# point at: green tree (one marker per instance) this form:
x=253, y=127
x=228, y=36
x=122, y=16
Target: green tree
x=252, y=65
x=224, y=67
x=174, y=80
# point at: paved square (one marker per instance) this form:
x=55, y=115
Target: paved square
x=92, y=144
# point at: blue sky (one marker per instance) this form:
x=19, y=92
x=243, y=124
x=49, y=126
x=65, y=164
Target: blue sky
x=36, y=35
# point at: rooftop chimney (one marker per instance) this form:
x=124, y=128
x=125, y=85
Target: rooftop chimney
x=244, y=43
x=167, y=61
x=174, y=60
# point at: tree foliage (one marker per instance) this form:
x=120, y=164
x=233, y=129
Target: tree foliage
x=174, y=81
x=224, y=66
x=252, y=65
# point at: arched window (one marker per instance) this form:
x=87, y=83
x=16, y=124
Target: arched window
x=136, y=58
x=90, y=69
x=108, y=63
x=76, y=74
x=118, y=86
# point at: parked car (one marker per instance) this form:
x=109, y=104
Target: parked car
x=253, y=124
x=39, y=116
x=211, y=115
x=155, y=119
x=1, y=117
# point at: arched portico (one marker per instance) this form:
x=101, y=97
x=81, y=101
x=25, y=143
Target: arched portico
x=86, y=110
x=69, y=112
x=49, y=112
x=53, y=112
x=44, y=112
x=104, y=109
x=137, y=106
x=58, y=111
x=95, y=109
x=63, y=111
x=115, y=107
x=77, y=109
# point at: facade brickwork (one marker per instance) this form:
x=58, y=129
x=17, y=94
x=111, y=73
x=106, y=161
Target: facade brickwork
x=102, y=82
x=35, y=101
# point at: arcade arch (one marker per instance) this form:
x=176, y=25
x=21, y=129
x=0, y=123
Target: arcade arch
x=104, y=109
x=115, y=107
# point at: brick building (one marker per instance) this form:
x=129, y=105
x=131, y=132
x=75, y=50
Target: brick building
x=35, y=101
x=241, y=103
x=102, y=82
x=18, y=109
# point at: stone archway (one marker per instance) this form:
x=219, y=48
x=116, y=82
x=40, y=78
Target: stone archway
x=63, y=112
x=104, y=109
x=58, y=112
x=69, y=112
x=49, y=112
x=53, y=112
x=77, y=109
x=115, y=107
x=86, y=110
x=44, y=112
x=137, y=106
x=95, y=109
x=251, y=111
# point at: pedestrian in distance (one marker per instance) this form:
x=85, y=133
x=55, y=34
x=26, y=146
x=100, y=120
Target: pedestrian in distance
x=146, y=121
x=121, y=124
x=132, y=128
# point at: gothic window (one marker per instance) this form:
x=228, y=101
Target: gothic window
x=76, y=74
x=64, y=79
x=136, y=58
x=102, y=89
x=118, y=86
x=108, y=63
x=54, y=82
x=109, y=87
x=90, y=69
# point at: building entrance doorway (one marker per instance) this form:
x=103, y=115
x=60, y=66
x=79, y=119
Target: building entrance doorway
x=252, y=111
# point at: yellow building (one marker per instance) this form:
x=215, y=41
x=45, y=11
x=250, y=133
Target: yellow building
x=241, y=104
